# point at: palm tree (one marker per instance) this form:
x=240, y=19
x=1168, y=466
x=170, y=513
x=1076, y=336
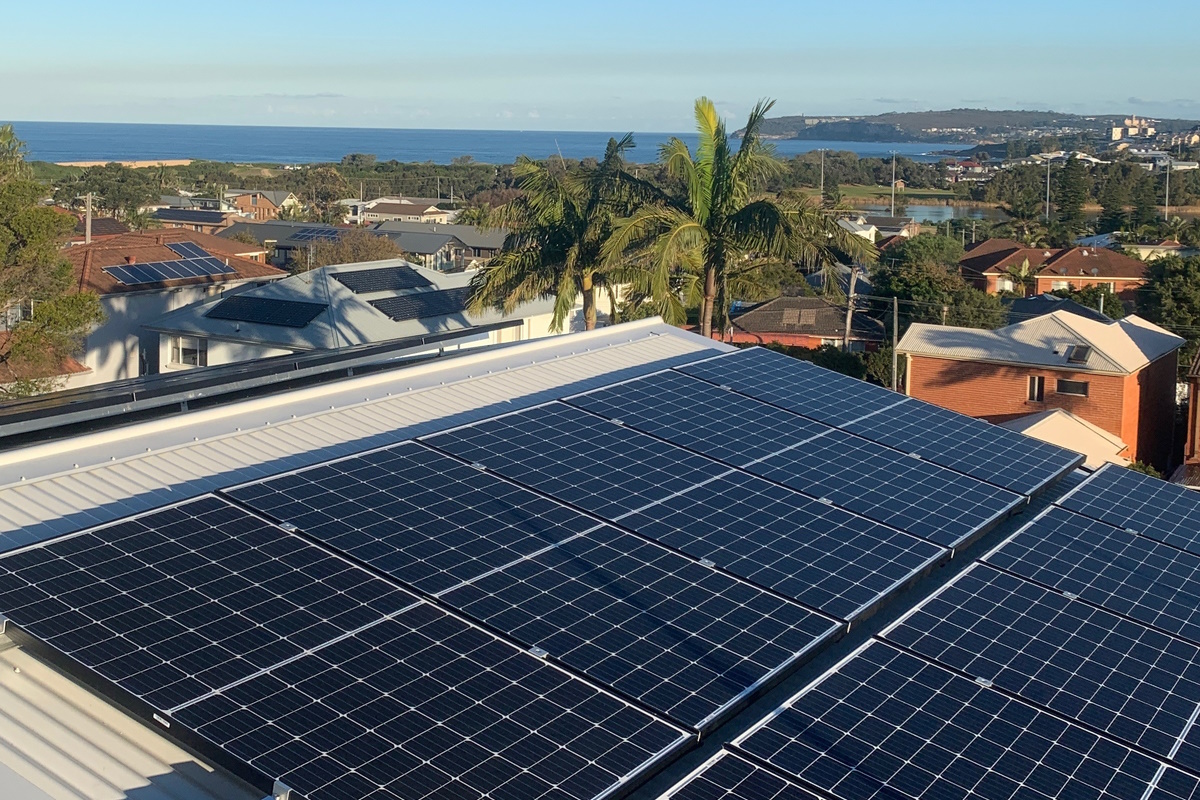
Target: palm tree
x=559, y=226
x=716, y=233
x=1023, y=276
x=12, y=155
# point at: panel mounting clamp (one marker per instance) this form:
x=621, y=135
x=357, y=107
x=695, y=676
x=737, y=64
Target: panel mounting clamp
x=280, y=791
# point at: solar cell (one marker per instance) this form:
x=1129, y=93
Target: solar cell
x=886, y=724
x=423, y=305
x=1120, y=677
x=575, y=457
x=967, y=445
x=177, y=603
x=1125, y=573
x=427, y=519
x=680, y=637
x=1154, y=508
x=726, y=776
x=159, y=271
x=383, y=279
x=187, y=249
x=827, y=558
x=880, y=483
x=424, y=705
x=266, y=311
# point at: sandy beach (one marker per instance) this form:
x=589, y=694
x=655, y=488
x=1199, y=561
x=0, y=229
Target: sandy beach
x=177, y=162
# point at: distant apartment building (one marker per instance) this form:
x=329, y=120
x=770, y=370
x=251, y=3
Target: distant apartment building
x=997, y=265
x=261, y=205
x=1116, y=375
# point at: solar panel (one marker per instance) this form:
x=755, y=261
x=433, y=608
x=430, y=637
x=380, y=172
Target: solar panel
x=423, y=705
x=159, y=271
x=1117, y=676
x=1125, y=573
x=423, y=305
x=317, y=235
x=796, y=385
x=177, y=603
x=187, y=249
x=823, y=462
x=266, y=311
x=1154, y=508
x=577, y=458
x=726, y=776
x=827, y=558
x=383, y=279
x=678, y=636
x=967, y=445
x=428, y=520
x=886, y=724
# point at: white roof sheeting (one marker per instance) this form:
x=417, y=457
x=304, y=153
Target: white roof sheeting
x=1121, y=347
x=62, y=486
x=1061, y=427
x=59, y=741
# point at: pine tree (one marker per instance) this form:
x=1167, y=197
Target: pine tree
x=1145, y=202
x=1072, y=194
x=1114, y=200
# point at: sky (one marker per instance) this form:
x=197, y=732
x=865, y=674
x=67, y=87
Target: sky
x=584, y=65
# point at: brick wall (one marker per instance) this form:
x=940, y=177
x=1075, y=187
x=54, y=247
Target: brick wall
x=998, y=392
x=1125, y=289
x=793, y=340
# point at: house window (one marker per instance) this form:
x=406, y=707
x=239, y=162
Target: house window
x=1037, y=388
x=1004, y=284
x=189, y=351
x=1077, y=388
x=1059, y=285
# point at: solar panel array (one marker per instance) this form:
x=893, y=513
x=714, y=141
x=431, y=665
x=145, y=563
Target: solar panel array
x=542, y=604
x=159, y=271
x=266, y=311
x=990, y=453
x=682, y=638
x=315, y=671
x=317, y=235
x=424, y=305
x=861, y=476
x=1154, y=508
x=383, y=279
x=187, y=249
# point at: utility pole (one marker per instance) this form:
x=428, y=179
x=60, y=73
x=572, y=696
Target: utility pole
x=1047, y=191
x=822, y=174
x=439, y=186
x=87, y=225
x=1167, y=199
x=945, y=311
x=1102, y=302
x=972, y=231
x=849, y=310
x=895, y=339
x=893, y=183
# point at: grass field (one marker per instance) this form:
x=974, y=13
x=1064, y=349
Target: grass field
x=879, y=192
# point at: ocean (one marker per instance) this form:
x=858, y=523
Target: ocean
x=95, y=141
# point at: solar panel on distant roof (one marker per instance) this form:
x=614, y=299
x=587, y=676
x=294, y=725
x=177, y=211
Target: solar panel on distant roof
x=383, y=279
x=1154, y=508
x=177, y=603
x=424, y=305
x=266, y=311
x=188, y=249
x=317, y=235
x=886, y=724
x=1121, y=677
x=961, y=443
x=1131, y=575
x=726, y=776
x=160, y=271
x=868, y=478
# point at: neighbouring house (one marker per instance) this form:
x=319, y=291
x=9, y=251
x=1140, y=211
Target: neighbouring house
x=996, y=266
x=1023, y=308
x=1065, y=429
x=1191, y=452
x=141, y=276
x=335, y=307
x=861, y=229
x=1118, y=375
x=261, y=205
x=405, y=212
x=102, y=228
x=361, y=212
x=196, y=220
x=189, y=202
x=805, y=322
x=892, y=226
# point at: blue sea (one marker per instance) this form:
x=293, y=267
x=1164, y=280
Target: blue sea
x=95, y=141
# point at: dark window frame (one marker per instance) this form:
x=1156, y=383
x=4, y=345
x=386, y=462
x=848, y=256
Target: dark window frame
x=1064, y=386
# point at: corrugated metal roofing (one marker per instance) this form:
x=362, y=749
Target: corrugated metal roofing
x=57, y=487
x=58, y=741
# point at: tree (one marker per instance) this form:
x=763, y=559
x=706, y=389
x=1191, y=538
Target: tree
x=359, y=160
x=1171, y=298
x=1073, y=187
x=321, y=189
x=558, y=229
x=1145, y=203
x=352, y=247
x=12, y=155
x=696, y=241
x=481, y=216
x=1097, y=297
x=1023, y=276
x=933, y=292
x=118, y=190
x=1114, y=200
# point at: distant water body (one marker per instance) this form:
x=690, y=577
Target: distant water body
x=94, y=141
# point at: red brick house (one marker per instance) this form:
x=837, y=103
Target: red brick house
x=993, y=265
x=1117, y=375
x=805, y=322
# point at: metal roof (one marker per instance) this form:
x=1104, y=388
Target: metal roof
x=59, y=741
x=59, y=486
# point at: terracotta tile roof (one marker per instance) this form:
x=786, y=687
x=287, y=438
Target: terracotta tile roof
x=102, y=226
x=997, y=255
x=68, y=366
x=1091, y=262
x=889, y=242
x=89, y=260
